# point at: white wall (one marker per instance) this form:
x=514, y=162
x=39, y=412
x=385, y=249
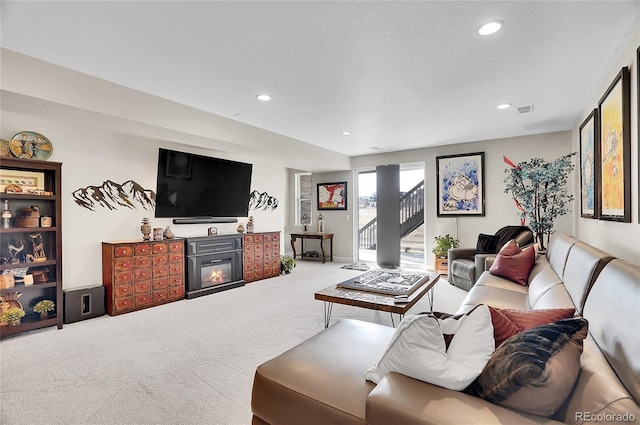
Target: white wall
x=338, y=222
x=500, y=209
x=101, y=131
x=106, y=155
x=620, y=239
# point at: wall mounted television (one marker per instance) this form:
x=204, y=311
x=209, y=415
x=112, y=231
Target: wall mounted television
x=201, y=187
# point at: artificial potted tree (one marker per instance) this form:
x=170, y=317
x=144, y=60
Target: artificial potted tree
x=539, y=189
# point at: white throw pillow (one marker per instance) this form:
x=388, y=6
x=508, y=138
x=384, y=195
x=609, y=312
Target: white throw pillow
x=418, y=349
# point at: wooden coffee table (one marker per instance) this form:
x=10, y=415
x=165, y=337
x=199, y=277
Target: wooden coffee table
x=373, y=301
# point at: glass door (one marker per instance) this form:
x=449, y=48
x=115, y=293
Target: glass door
x=367, y=223
x=412, y=242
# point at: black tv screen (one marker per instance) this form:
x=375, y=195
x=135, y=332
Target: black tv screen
x=191, y=185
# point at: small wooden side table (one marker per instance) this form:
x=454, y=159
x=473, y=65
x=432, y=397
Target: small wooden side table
x=442, y=265
x=313, y=235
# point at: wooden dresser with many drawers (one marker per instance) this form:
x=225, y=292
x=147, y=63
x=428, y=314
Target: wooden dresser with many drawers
x=261, y=255
x=142, y=274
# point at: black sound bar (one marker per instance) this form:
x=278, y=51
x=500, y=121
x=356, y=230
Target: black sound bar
x=202, y=220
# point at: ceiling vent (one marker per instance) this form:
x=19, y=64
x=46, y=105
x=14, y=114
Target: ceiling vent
x=524, y=109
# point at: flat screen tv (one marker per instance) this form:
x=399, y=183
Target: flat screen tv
x=197, y=186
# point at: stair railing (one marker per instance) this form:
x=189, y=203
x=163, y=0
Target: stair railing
x=411, y=204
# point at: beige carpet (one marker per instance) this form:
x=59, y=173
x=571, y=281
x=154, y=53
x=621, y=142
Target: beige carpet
x=188, y=362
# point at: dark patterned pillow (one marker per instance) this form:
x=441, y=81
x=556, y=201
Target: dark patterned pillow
x=535, y=370
x=487, y=244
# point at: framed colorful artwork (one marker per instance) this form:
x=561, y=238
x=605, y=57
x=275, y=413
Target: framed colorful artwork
x=332, y=196
x=460, y=184
x=589, y=165
x=614, y=202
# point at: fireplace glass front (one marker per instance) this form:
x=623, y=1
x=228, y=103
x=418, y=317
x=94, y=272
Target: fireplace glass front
x=217, y=272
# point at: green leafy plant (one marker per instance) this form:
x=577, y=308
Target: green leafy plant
x=44, y=306
x=13, y=316
x=540, y=191
x=442, y=244
x=287, y=263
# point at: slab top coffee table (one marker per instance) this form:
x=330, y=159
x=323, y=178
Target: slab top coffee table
x=374, y=300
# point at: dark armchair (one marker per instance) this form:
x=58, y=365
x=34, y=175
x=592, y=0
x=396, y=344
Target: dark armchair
x=467, y=264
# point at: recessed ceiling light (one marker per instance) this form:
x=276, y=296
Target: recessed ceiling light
x=504, y=106
x=346, y=133
x=264, y=97
x=490, y=27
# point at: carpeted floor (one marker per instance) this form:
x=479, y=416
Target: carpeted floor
x=188, y=362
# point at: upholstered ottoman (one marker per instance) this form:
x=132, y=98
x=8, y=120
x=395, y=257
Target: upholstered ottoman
x=321, y=381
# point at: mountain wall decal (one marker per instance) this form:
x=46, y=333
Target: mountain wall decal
x=112, y=195
x=262, y=200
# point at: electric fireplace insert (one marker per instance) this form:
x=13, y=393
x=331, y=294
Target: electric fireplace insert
x=214, y=264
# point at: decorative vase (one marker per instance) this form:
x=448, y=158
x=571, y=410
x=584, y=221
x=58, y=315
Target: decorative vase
x=145, y=229
x=250, y=225
x=4, y=306
x=168, y=234
x=240, y=228
x=44, y=315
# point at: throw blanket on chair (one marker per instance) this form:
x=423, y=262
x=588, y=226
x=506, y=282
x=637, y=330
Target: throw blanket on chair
x=510, y=232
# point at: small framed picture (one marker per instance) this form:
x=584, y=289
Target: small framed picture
x=332, y=196
x=27, y=180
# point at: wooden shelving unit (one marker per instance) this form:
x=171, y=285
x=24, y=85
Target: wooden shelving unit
x=49, y=205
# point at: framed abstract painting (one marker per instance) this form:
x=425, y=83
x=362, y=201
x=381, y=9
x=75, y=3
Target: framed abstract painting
x=460, y=185
x=332, y=196
x=614, y=202
x=589, y=166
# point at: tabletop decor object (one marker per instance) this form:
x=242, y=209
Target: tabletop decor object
x=31, y=145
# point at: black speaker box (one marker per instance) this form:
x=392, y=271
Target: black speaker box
x=83, y=303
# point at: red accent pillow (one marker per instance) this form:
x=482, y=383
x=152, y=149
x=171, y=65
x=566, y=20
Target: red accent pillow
x=508, y=322
x=513, y=263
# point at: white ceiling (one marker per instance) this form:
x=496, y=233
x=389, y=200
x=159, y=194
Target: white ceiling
x=398, y=75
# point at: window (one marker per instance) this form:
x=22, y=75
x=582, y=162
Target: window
x=303, y=198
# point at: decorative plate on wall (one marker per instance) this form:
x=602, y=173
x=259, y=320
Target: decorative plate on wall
x=31, y=145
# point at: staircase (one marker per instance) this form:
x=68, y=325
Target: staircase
x=411, y=217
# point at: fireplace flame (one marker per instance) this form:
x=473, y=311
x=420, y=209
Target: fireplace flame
x=216, y=276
